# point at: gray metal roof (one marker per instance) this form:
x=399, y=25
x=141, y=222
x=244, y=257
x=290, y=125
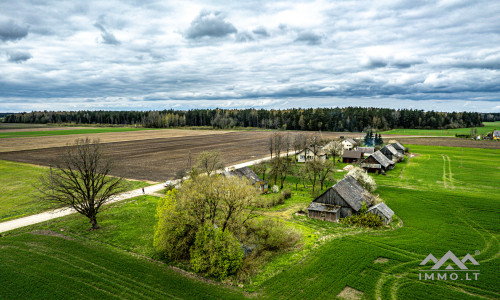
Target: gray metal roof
x=351, y=154
x=244, y=172
x=391, y=149
x=316, y=206
x=381, y=158
x=371, y=166
x=383, y=209
x=366, y=149
x=398, y=146
x=350, y=140
x=352, y=192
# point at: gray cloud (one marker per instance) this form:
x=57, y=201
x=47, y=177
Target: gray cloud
x=209, y=24
x=10, y=31
x=244, y=36
x=107, y=37
x=261, y=31
x=309, y=37
x=18, y=57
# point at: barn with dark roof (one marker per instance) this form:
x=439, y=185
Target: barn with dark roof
x=383, y=211
x=377, y=162
x=339, y=201
x=247, y=173
x=391, y=153
x=400, y=148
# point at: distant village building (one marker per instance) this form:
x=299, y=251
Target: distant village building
x=496, y=134
x=349, y=144
x=383, y=211
x=377, y=162
x=339, y=201
x=400, y=148
x=351, y=156
x=391, y=153
x=308, y=154
x=247, y=173
x=366, y=151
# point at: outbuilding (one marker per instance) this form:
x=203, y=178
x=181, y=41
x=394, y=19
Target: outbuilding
x=391, y=153
x=247, y=173
x=366, y=151
x=351, y=156
x=383, y=211
x=377, y=162
x=400, y=148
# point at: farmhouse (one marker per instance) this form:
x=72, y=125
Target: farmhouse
x=351, y=156
x=377, y=162
x=349, y=144
x=247, y=173
x=366, y=151
x=339, y=201
x=308, y=154
x=400, y=148
x=383, y=211
x=391, y=153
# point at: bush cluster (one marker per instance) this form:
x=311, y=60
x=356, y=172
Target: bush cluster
x=364, y=220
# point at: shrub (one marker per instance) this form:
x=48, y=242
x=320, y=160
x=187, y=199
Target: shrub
x=275, y=189
x=364, y=220
x=273, y=235
x=215, y=252
x=364, y=179
x=286, y=193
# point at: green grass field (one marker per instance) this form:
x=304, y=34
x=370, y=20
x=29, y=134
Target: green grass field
x=447, y=199
x=19, y=196
x=488, y=127
x=68, y=132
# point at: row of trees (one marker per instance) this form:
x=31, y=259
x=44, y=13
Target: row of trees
x=326, y=119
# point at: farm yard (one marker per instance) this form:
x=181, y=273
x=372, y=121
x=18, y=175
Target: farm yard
x=444, y=198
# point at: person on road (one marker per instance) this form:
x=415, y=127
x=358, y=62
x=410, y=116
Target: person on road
x=143, y=191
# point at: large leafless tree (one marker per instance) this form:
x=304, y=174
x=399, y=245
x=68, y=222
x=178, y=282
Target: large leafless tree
x=81, y=181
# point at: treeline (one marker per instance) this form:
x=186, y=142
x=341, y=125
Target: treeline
x=313, y=119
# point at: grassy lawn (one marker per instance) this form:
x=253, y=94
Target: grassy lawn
x=19, y=196
x=69, y=131
x=488, y=127
x=447, y=199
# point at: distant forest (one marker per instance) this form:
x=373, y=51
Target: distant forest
x=326, y=119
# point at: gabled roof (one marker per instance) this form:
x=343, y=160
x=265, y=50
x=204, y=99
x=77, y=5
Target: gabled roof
x=351, y=191
x=391, y=149
x=244, y=172
x=351, y=154
x=381, y=159
x=366, y=149
x=383, y=209
x=398, y=146
x=320, y=152
x=350, y=140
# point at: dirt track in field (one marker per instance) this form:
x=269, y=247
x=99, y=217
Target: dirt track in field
x=27, y=143
x=159, y=159
x=449, y=142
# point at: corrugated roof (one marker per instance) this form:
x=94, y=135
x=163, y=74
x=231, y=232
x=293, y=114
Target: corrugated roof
x=398, y=146
x=351, y=154
x=381, y=158
x=391, y=149
x=366, y=149
x=382, y=208
x=316, y=206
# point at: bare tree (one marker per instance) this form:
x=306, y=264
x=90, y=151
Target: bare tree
x=261, y=168
x=334, y=148
x=326, y=168
x=82, y=180
x=210, y=162
x=300, y=142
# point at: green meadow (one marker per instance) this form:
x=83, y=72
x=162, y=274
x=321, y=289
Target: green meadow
x=444, y=199
x=68, y=132
x=19, y=196
x=488, y=127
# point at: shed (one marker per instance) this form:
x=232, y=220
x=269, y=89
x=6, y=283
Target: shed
x=366, y=151
x=391, y=153
x=247, y=173
x=347, y=195
x=351, y=156
x=400, y=148
x=323, y=211
x=377, y=162
x=383, y=211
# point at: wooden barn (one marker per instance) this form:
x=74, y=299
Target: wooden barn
x=391, y=153
x=377, y=162
x=351, y=156
x=247, y=173
x=366, y=151
x=383, y=211
x=339, y=201
x=400, y=148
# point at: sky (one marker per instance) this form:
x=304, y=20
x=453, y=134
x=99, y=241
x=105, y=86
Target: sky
x=153, y=55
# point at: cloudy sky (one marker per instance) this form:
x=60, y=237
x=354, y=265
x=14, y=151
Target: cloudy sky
x=139, y=54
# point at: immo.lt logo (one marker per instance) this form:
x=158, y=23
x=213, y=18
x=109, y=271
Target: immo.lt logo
x=449, y=272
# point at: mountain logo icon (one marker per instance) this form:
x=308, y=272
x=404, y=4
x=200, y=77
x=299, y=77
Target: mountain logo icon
x=449, y=256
